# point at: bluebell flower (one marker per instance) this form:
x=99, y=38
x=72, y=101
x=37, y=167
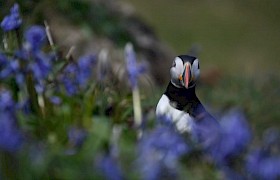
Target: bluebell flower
x=271, y=139
x=70, y=85
x=227, y=140
x=108, y=167
x=24, y=106
x=133, y=68
x=85, y=65
x=3, y=60
x=39, y=63
x=224, y=141
x=4, y=63
x=35, y=37
x=8, y=67
x=41, y=66
x=11, y=138
x=165, y=120
x=236, y=134
x=262, y=165
x=264, y=162
x=55, y=100
x=69, y=79
x=13, y=20
x=206, y=132
x=76, y=136
x=230, y=174
x=159, y=153
x=6, y=102
x=34, y=60
x=76, y=76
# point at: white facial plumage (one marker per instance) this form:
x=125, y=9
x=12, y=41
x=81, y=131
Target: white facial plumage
x=195, y=70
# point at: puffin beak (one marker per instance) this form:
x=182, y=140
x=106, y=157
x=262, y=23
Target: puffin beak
x=186, y=75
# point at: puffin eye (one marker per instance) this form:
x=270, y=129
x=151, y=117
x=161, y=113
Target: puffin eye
x=173, y=64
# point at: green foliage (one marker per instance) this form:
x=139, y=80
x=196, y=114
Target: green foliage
x=235, y=36
x=258, y=96
x=49, y=153
x=97, y=17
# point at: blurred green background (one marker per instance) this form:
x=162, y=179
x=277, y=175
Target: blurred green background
x=238, y=42
x=240, y=37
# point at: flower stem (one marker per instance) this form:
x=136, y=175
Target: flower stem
x=5, y=42
x=49, y=36
x=19, y=41
x=33, y=96
x=137, y=109
x=8, y=164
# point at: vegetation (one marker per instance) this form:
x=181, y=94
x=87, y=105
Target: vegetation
x=60, y=120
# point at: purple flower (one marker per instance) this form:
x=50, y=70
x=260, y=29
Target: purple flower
x=76, y=136
x=55, y=100
x=35, y=37
x=13, y=20
x=76, y=76
x=8, y=67
x=165, y=120
x=271, y=139
x=41, y=66
x=225, y=141
x=262, y=165
x=3, y=60
x=5, y=70
x=207, y=133
x=236, y=134
x=70, y=85
x=108, y=168
x=24, y=106
x=85, y=65
x=6, y=101
x=159, y=153
x=69, y=79
x=133, y=69
x=264, y=162
x=11, y=138
x=36, y=62
x=230, y=174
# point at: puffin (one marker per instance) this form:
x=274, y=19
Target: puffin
x=179, y=103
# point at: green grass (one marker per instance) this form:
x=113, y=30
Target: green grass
x=259, y=98
x=240, y=37
x=220, y=30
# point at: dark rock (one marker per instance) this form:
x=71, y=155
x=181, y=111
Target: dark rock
x=150, y=49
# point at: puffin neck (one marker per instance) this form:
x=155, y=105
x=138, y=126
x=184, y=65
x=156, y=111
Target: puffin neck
x=181, y=96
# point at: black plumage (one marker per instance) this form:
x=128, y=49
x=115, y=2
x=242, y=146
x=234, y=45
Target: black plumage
x=186, y=100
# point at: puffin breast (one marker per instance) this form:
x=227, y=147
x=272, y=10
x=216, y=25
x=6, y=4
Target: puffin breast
x=181, y=119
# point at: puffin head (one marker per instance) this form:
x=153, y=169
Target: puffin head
x=185, y=71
